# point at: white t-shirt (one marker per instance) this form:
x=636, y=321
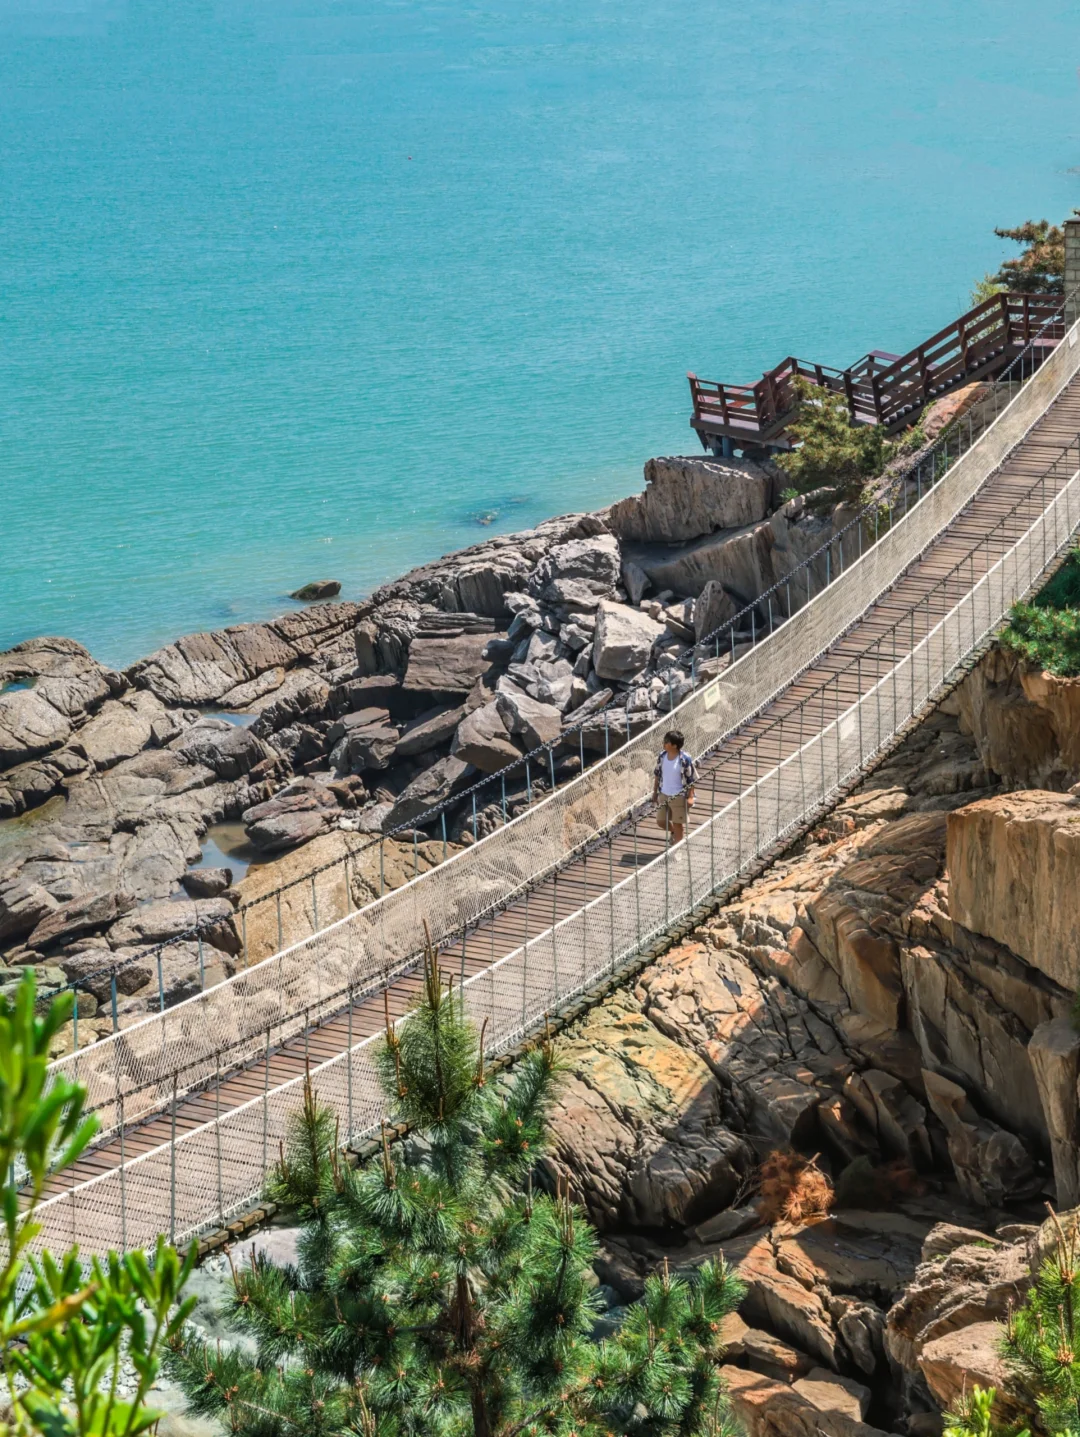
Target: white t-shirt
x=670, y=775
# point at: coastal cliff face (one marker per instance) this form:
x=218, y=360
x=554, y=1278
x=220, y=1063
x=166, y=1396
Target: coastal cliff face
x=893, y=1000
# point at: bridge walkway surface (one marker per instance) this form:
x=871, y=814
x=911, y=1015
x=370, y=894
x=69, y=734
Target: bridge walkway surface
x=770, y=760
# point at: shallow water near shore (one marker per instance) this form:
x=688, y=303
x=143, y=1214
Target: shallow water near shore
x=322, y=291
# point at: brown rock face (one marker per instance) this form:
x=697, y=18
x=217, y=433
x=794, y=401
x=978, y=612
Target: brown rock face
x=687, y=497
x=638, y=1124
x=1013, y=861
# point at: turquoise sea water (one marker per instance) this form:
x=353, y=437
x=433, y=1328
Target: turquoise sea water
x=295, y=289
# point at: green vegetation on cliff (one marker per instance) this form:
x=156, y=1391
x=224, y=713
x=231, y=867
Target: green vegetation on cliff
x=1046, y=631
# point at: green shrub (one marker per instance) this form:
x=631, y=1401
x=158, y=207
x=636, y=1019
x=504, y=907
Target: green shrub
x=831, y=452
x=1046, y=631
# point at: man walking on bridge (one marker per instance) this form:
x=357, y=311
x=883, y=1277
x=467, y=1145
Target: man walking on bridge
x=673, y=785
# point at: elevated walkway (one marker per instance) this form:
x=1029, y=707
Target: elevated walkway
x=195, y=1100
x=881, y=388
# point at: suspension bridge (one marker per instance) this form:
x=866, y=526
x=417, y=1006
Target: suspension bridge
x=193, y=1101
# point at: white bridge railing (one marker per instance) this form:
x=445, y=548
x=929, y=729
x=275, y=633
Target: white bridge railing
x=206, y=1174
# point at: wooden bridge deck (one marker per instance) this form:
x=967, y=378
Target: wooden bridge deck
x=1004, y=508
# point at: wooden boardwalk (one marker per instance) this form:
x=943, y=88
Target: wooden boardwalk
x=997, y=516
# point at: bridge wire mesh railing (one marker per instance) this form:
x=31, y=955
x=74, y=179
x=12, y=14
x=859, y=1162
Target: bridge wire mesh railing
x=185, y=1047
x=205, y=1175
x=536, y=773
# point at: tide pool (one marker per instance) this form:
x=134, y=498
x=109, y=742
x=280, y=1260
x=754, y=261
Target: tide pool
x=301, y=289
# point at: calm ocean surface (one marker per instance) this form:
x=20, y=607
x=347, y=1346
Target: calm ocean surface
x=295, y=289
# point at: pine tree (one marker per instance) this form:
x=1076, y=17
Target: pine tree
x=1040, y=268
x=830, y=452
x=1042, y=1339
x=444, y=1297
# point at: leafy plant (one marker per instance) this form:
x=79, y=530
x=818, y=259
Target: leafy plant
x=65, y=1327
x=830, y=452
x=438, y=1295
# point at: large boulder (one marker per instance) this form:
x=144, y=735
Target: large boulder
x=623, y=640
x=712, y=607
x=22, y=907
x=592, y=562
x=120, y=729
x=637, y=1125
x=418, y=801
x=77, y=917
x=428, y=730
x=443, y=670
x=483, y=741
x=228, y=750
x=1014, y=875
x=29, y=725
x=157, y=922
x=538, y=723
x=687, y=497
x=991, y=1164
x=740, y=559
x=202, y=668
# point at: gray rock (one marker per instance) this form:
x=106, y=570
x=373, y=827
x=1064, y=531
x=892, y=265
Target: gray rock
x=483, y=741
x=370, y=746
x=538, y=723
x=685, y=498
x=362, y=718
x=593, y=561
x=201, y=668
x=229, y=752
x=623, y=641
x=426, y=792
x=77, y=917
x=428, y=730
x=303, y=695
x=442, y=670
x=714, y=606
x=156, y=922
x=740, y=559
x=635, y=581
x=275, y=832
x=320, y=589
x=679, y=618
x=29, y=726
x=542, y=646
x=207, y=882
x=23, y=905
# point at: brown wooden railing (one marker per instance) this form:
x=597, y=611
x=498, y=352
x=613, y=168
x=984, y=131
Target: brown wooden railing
x=883, y=388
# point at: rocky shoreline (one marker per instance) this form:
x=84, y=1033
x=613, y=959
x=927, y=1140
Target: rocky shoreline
x=329, y=726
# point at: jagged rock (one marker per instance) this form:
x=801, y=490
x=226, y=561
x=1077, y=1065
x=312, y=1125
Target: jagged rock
x=200, y=668
x=861, y=1326
x=442, y=670
x=637, y=1124
x=1054, y=1052
x=687, y=497
x=29, y=726
x=156, y=922
x=120, y=729
x=207, y=882
x=302, y=695
x=23, y=905
x=363, y=744
x=300, y=812
x=956, y=1362
x=623, y=640
x=593, y=562
x=319, y=589
x=538, y=723
x=483, y=741
x=781, y=1302
x=635, y=581
x=990, y=1163
x=79, y=916
x=430, y=789
x=1023, y=721
x=713, y=606
x=228, y=750
x=428, y=730
x=739, y=559
x=1010, y=859
x=830, y=1393
x=769, y=1408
